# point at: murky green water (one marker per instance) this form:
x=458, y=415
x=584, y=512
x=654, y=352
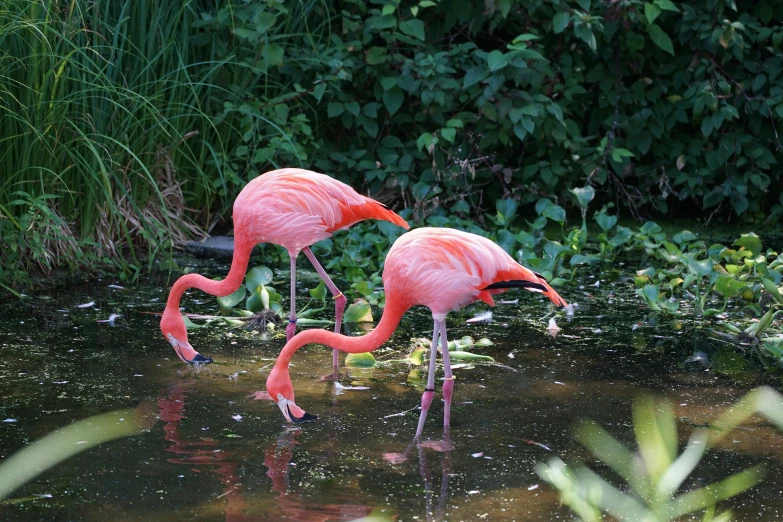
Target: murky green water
x=217, y=454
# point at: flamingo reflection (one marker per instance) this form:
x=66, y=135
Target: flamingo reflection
x=199, y=454
x=205, y=454
x=445, y=447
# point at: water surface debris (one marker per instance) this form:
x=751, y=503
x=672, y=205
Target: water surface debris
x=483, y=317
x=110, y=320
x=552, y=328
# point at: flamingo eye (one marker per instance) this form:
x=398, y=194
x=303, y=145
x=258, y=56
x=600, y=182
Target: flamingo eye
x=169, y=335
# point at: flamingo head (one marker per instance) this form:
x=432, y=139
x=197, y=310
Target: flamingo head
x=173, y=328
x=280, y=389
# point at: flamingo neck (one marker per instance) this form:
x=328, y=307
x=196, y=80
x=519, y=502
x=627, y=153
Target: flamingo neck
x=392, y=314
x=218, y=288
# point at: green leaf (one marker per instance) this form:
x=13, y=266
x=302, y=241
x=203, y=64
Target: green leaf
x=233, y=299
x=496, y=60
x=458, y=355
x=257, y=277
x=579, y=259
x=417, y=356
x=561, y=21
x=448, y=134
x=357, y=312
x=319, y=292
x=387, y=82
x=273, y=54
x=584, y=195
x=605, y=221
x=454, y=123
x=475, y=75
x=667, y=5
x=701, y=268
x=750, y=242
x=414, y=27
x=360, y=360
x=555, y=213
x=619, y=153
x=335, y=109
x=650, y=293
x=660, y=38
x=507, y=209
x=393, y=99
x=353, y=107
x=622, y=235
x=318, y=91
x=376, y=55
x=728, y=286
x=264, y=21
x=772, y=289
x=254, y=303
x=651, y=12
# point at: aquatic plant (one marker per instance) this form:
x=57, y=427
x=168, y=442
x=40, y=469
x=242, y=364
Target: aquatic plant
x=654, y=473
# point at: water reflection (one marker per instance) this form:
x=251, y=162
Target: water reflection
x=206, y=454
x=292, y=506
x=443, y=447
x=201, y=453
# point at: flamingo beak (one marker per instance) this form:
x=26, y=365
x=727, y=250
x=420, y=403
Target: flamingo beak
x=285, y=407
x=186, y=353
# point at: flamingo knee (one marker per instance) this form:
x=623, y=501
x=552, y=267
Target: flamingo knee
x=448, y=389
x=426, y=400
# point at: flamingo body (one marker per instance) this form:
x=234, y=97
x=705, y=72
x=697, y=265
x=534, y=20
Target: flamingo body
x=293, y=208
x=442, y=269
x=445, y=269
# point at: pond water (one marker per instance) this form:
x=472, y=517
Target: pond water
x=216, y=453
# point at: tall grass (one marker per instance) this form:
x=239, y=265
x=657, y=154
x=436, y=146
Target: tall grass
x=102, y=126
x=135, y=122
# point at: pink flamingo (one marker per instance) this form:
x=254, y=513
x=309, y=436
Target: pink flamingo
x=293, y=208
x=442, y=269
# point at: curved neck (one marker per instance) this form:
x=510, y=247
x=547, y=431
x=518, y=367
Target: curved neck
x=392, y=314
x=219, y=288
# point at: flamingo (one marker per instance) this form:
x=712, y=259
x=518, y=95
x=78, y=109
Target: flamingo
x=440, y=268
x=293, y=208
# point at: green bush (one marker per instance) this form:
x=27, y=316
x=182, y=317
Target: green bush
x=460, y=103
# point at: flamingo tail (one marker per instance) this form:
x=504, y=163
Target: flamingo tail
x=540, y=286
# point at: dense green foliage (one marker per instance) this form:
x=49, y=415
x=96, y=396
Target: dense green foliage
x=455, y=104
x=126, y=123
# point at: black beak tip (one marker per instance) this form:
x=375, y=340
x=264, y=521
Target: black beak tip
x=200, y=359
x=304, y=418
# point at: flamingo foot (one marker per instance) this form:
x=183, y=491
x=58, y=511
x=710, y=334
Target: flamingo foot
x=261, y=396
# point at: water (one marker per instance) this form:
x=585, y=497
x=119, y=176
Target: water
x=216, y=453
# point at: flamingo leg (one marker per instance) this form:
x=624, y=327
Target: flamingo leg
x=448, y=380
x=339, y=303
x=290, y=330
x=429, y=391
